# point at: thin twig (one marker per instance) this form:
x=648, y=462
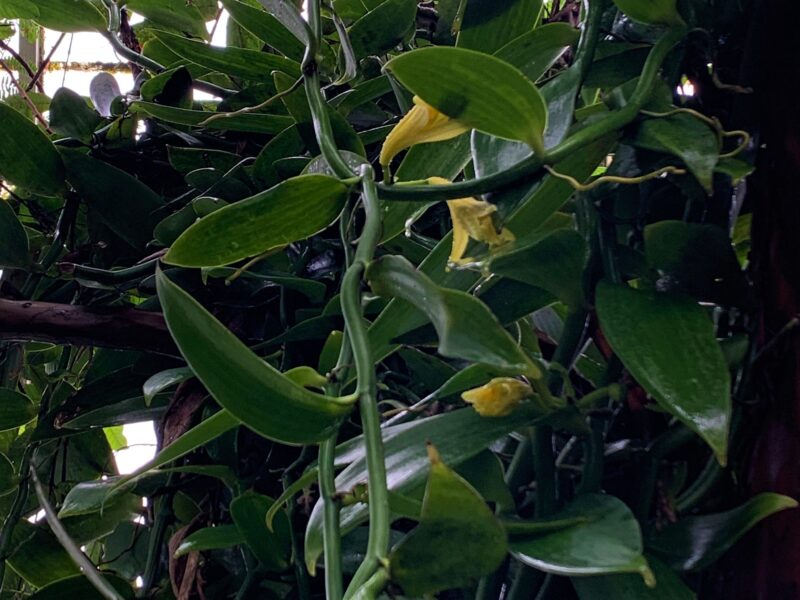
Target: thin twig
x=23, y=63
x=45, y=63
x=25, y=97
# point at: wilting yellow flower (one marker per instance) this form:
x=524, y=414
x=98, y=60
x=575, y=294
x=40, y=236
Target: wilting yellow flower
x=472, y=218
x=499, y=397
x=421, y=124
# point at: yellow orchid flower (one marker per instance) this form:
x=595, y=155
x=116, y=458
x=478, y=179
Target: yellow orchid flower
x=499, y=397
x=472, y=218
x=422, y=124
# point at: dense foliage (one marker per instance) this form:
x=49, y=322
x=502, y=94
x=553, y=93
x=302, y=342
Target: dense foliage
x=533, y=389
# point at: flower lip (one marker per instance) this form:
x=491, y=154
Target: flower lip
x=499, y=397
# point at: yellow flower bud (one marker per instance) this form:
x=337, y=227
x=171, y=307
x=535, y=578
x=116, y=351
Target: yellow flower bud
x=472, y=218
x=499, y=397
x=422, y=124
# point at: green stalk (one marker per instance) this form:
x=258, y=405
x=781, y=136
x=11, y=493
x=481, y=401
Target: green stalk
x=529, y=167
x=366, y=389
x=331, y=530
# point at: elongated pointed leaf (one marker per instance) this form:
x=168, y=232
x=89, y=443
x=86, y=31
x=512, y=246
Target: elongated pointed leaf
x=271, y=547
x=489, y=25
x=249, y=388
x=383, y=28
x=14, y=248
x=164, y=379
x=479, y=90
x=458, y=435
x=654, y=12
x=265, y=27
x=124, y=203
x=70, y=115
x=694, y=543
x=554, y=264
x=534, y=52
x=232, y=61
x=667, y=343
x=607, y=541
x=70, y=16
x=249, y=122
x=457, y=541
x=27, y=158
x=466, y=327
x=293, y=210
x=210, y=538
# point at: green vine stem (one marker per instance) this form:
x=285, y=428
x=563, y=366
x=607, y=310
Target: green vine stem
x=366, y=387
x=527, y=168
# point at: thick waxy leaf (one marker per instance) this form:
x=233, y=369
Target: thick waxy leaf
x=78, y=586
x=173, y=14
x=60, y=15
x=466, y=327
x=210, y=538
x=235, y=62
x=287, y=13
x=14, y=249
x=655, y=12
x=631, y=587
x=489, y=25
x=271, y=547
x=694, y=543
x=71, y=116
x=27, y=158
x=383, y=28
x=608, y=540
x=480, y=91
x=164, y=379
x=698, y=259
x=667, y=343
x=266, y=27
x=249, y=388
x=293, y=210
x=124, y=203
x=15, y=410
x=457, y=541
x=554, y=264
x=685, y=137
x=248, y=122
x=534, y=52
x=458, y=435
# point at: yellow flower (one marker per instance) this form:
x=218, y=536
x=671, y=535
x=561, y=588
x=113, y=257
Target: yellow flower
x=499, y=397
x=472, y=218
x=420, y=125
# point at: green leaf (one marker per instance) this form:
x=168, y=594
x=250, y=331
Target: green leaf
x=667, y=343
x=608, y=540
x=89, y=497
x=287, y=13
x=271, y=547
x=125, y=204
x=488, y=25
x=457, y=541
x=466, y=327
x=458, y=435
x=78, y=586
x=241, y=382
x=27, y=158
x=15, y=410
x=652, y=12
x=70, y=16
x=292, y=210
x=554, y=264
x=686, y=137
x=14, y=249
x=478, y=90
x=235, y=62
x=384, y=27
x=248, y=122
x=71, y=116
x=693, y=543
x=265, y=27
x=178, y=15
x=164, y=379
x=631, y=587
x=534, y=52
x=210, y=538
x=8, y=476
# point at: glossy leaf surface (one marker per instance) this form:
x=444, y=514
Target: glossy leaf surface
x=293, y=210
x=667, y=343
x=14, y=249
x=271, y=547
x=210, y=538
x=249, y=388
x=480, y=91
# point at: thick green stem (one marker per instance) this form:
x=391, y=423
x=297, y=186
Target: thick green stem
x=331, y=531
x=379, y=517
x=529, y=167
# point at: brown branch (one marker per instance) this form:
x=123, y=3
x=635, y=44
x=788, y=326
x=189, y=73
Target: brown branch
x=45, y=63
x=108, y=327
x=16, y=56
